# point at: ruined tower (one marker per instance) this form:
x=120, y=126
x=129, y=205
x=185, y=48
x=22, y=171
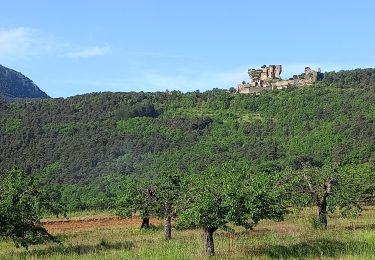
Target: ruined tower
x=271, y=72
x=312, y=75
x=268, y=78
x=266, y=73
x=278, y=70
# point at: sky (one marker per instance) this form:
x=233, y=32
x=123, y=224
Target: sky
x=75, y=47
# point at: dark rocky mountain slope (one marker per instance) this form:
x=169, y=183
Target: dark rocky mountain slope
x=14, y=84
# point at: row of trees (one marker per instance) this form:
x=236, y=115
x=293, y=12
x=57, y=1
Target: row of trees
x=232, y=194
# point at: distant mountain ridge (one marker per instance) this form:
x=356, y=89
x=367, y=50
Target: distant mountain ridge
x=14, y=84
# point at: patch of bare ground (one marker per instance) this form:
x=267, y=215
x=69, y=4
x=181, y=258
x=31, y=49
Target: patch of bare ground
x=86, y=224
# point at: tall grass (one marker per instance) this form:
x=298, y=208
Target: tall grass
x=293, y=238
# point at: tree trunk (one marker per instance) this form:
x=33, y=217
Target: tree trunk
x=323, y=214
x=168, y=222
x=210, y=247
x=145, y=222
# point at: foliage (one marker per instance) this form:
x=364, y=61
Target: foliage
x=330, y=188
x=151, y=197
x=142, y=109
x=229, y=194
x=98, y=138
x=136, y=197
x=11, y=125
x=358, y=78
x=356, y=185
x=21, y=207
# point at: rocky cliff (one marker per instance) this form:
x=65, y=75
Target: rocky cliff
x=14, y=84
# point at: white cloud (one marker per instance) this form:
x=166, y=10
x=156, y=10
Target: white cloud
x=88, y=52
x=22, y=42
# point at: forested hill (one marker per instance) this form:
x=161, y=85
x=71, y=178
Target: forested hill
x=83, y=144
x=15, y=85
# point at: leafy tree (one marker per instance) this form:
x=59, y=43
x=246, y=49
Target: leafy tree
x=22, y=204
x=166, y=194
x=136, y=196
x=332, y=187
x=151, y=197
x=355, y=188
x=224, y=195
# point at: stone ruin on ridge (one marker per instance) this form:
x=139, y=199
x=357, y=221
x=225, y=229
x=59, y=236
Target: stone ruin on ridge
x=268, y=78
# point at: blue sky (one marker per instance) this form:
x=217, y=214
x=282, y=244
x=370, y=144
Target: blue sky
x=75, y=47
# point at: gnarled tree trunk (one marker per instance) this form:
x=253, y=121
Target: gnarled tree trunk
x=209, y=244
x=321, y=201
x=145, y=222
x=323, y=213
x=168, y=222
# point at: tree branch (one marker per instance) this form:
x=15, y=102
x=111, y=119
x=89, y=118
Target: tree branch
x=328, y=188
x=313, y=193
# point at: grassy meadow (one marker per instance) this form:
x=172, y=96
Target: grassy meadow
x=293, y=238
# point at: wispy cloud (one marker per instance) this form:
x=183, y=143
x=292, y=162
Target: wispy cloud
x=89, y=52
x=23, y=42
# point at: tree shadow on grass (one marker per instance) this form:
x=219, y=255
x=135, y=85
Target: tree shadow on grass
x=152, y=229
x=77, y=249
x=314, y=248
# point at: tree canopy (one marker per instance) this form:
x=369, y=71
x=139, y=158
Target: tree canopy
x=229, y=194
x=22, y=203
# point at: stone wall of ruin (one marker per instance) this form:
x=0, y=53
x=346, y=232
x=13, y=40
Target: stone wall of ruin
x=268, y=78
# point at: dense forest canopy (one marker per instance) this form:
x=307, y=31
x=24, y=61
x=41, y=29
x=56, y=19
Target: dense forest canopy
x=84, y=144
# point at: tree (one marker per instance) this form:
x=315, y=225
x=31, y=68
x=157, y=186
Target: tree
x=137, y=197
x=319, y=192
x=331, y=187
x=166, y=193
x=355, y=187
x=224, y=195
x=151, y=197
x=22, y=204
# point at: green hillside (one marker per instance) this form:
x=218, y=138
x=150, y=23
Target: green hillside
x=83, y=144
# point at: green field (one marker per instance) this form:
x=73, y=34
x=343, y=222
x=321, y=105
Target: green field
x=294, y=238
